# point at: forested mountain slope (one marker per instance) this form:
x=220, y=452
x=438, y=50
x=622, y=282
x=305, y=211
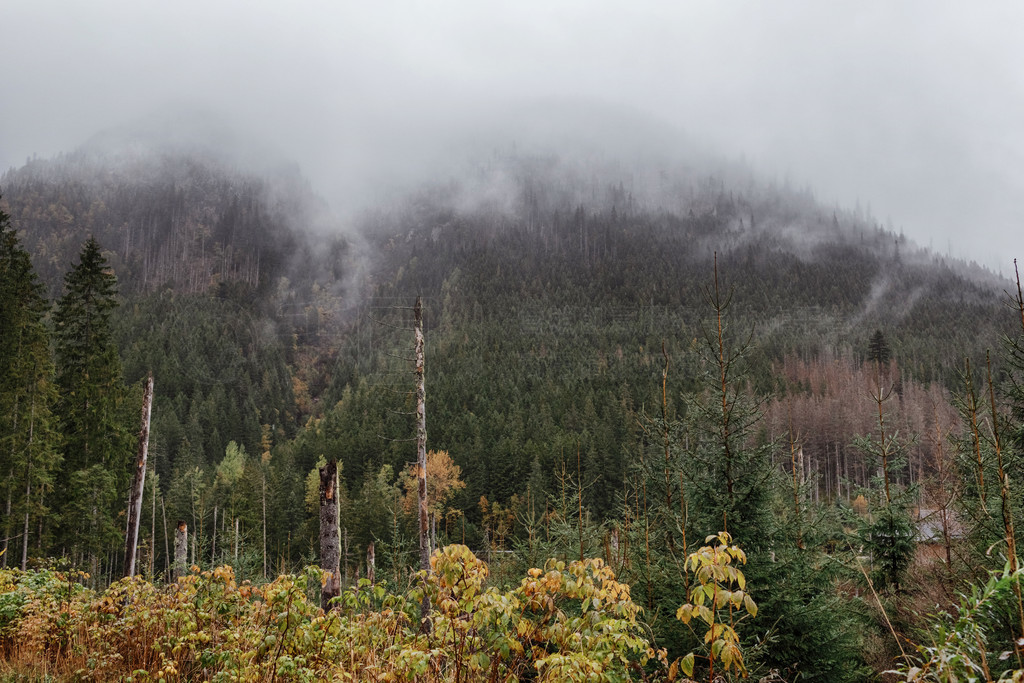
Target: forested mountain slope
x=551, y=285
x=551, y=291
x=621, y=355
x=220, y=283
x=531, y=233
x=169, y=219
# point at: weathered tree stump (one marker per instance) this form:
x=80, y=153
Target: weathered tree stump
x=330, y=548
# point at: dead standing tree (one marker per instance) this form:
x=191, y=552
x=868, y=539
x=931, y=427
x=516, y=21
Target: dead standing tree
x=421, y=441
x=180, y=550
x=421, y=455
x=330, y=546
x=135, y=502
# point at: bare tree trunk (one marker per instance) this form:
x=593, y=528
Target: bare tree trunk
x=421, y=442
x=371, y=564
x=796, y=477
x=421, y=456
x=7, y=528
x=39, y=533
x=330, y=549
x=152, y=525
x=264, y=523
x=7, y=509
x=28, y=479
x=846, y=473
x=880, y=398
x=167, y=541
x=839, y=480
x=236, y=540
x=24, y=533
x=135, y=502
x=180, y=551
x=213, y=541
x=946, y=497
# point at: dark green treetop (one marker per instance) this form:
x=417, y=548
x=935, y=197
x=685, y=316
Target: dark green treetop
x=878, y=348
x=27, y=438
x=97, y=448
x=88, y=366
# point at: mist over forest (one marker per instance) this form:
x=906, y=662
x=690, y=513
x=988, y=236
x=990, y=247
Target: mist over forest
x=532, y=342
x=585, y=307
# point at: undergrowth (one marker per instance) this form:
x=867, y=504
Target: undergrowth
x=565, y=622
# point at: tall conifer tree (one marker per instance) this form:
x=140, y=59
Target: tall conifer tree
x=27, y=437
x=734, y=484
x=97, y=449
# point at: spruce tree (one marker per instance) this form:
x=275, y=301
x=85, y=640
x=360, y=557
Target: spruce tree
x=730, y=469
x=97, y=448
x=889, y=534
x=878, y=348
x=734, y=484
x=27, y=436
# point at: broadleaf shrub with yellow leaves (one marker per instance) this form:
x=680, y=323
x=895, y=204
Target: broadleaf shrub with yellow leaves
x=718, y=599
x=564, y=622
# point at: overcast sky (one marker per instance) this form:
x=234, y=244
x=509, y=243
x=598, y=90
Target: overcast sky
x=913, y=108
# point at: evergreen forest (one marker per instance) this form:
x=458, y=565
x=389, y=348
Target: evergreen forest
x=682, y=423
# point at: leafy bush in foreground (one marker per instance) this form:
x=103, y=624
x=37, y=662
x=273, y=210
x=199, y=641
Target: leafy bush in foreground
x=967, y=645
x=566, y=622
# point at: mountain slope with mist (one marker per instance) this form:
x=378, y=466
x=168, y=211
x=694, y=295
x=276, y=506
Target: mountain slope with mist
x=178, y=206
x=552, y=285
x=572, y=368
x=545, y=232
x=552, y=281
x=226, y=264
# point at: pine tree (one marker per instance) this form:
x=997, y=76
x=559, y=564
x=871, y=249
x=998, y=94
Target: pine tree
x=27, y=435
x=97, y=448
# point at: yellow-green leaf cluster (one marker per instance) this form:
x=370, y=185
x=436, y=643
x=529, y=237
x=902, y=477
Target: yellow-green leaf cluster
x=719, y=600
